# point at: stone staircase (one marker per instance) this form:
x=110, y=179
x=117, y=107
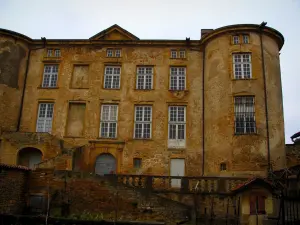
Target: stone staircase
x=60, y=162
x=104, y=195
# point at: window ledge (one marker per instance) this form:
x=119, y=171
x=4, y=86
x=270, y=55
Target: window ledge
x=246, y=134
x=142, y=139
x=113, y=57
x=52, y=59
x=178, y=58
x=40, y=87
x=67, y=136
x=233, y=79
x=176, y=149
x=107, y=138
x=112, y=89
x=143, y=89
x=172, y=90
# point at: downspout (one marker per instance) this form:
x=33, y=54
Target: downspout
x=203, y=111
x=262, y=25
x=25, y=82
x=23, y=91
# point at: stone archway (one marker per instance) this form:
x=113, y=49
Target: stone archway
x=105, y=164
x=29, y=157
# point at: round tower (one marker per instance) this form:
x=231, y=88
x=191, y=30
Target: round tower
x=243, y=112
x=14, y=51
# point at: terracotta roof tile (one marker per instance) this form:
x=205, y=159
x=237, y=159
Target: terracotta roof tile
x=2, y=165
x=251, y=181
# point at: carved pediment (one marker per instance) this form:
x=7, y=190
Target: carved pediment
x=114, y=32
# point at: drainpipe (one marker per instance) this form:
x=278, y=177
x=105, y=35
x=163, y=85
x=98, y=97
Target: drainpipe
x=261, y=27
x=203, y=111
x=25, y=81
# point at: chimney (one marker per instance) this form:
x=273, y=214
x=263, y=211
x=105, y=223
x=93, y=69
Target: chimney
x=205, y=31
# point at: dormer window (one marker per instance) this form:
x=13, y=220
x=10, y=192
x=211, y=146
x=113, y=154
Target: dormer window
x=53, y=53
x=178, y=54
x=110, y=52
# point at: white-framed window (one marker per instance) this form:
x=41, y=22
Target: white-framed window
x=236, y=39
x=118, y=53
x=144, y=78
x=177, y=54
x=112, y=77
x=177, y=78
x=49, y=53
x=109, y=121
x=173, y=54
x=109, y=53
x=53, y=53
x=57, y=53
x=242, y=65
x=246, y=39
x=143, y=122
x=45, y=115
x=50, y=76
x=244, y=115
x=177, y=127
x=182, y=54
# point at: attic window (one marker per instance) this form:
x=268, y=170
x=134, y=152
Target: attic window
x=177, y=54
x=49, y=52
x=110, y=52
x=236, y=40
x=53, y=53
x=173, y=54
x=57, y=53
x=246, y=39
x=117, y=53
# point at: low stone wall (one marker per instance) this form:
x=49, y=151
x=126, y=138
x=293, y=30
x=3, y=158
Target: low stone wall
x=101, y=197
x=13, y=184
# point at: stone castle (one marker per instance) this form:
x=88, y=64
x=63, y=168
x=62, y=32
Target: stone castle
x=114, y=103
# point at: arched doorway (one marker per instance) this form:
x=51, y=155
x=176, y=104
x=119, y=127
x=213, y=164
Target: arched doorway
x=105, y=164
x=29, y=157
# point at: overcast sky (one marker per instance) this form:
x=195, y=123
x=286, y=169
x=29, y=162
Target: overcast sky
x=162, y=19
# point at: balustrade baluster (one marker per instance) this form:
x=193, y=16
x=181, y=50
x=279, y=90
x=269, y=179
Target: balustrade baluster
x=212, y=185
x=163, y=183
x=205, y=186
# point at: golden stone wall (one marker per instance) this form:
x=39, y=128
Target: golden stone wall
x=13, y=57
x=154, y=152
x=243, y=154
